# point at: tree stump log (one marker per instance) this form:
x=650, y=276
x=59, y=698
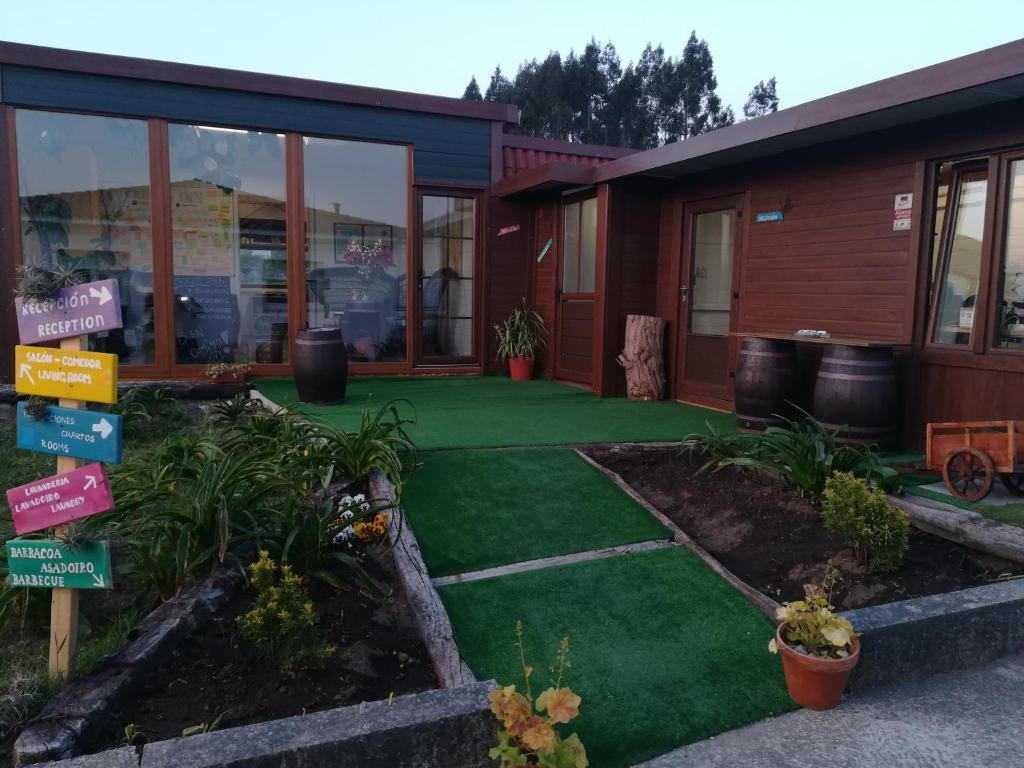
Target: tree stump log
x=642, y=357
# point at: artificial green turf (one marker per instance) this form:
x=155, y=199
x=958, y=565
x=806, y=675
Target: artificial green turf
x=493, y=411
x=472, y=510
x=664, y=652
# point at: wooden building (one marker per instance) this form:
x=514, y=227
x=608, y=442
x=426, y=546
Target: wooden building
x=890, y=213
x=234, y=208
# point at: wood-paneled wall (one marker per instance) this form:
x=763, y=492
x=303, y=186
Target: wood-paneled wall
x=507, y=273
x=544, y=274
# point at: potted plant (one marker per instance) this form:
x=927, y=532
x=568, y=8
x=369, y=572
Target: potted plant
x=819, y=649
x=224, y=373
x=520, y=336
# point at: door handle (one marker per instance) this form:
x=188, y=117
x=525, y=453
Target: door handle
x=683, y=291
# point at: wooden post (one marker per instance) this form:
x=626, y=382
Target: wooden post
x=642, y=357
x=64, y=602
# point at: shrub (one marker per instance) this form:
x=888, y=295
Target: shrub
x=803, y=454
x=281, y=621
x=522, y=334
x=812, y=626
x=865, y=519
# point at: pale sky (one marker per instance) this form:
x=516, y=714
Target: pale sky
x=434, y=46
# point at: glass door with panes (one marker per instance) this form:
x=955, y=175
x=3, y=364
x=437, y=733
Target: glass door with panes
x=575, y=333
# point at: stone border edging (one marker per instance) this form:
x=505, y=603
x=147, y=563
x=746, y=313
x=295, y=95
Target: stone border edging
x=449, y=727
x=963, y=527
x=424, y=600
x=75, y=714
x=913, y=639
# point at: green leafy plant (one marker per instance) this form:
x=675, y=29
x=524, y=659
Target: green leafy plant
x=42, y=283
x=145, y=404
x=231, y=411
x=133, y=736
x=200, y=728
x=717, y=447
x=803, y=454
x=876, y=530
x=528, y=736
x=281, y=621
x=813, y=627
x=522, y=334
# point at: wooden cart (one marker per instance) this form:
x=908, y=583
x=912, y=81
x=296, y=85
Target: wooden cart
x=970, y=454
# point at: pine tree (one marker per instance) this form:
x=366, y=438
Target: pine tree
x=472, y=92
x=763, y=100
x=499, y=89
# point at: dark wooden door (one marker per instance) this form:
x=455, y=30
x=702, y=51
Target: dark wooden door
x=707, y=299
x=574, y=337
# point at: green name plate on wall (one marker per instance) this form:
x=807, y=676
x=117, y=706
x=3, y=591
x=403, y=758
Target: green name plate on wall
x=41, y=563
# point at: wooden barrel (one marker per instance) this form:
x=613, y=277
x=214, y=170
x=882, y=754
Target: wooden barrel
x=321, y=365
x=766, y=383
x=857, y=394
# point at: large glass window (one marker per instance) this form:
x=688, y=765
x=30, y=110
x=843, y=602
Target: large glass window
x=357, y=212
x=83, y=185
x=958, y=283
x=1010, y=331
x=579, y=246
x=229, y=244
x=446, y=276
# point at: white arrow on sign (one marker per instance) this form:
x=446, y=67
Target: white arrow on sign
x=103, y=294
x=97, y=579
x=90, y=482
x=104, y=427
x=25, y=372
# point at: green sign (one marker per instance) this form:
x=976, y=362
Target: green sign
x=41, y=563
x=761, y=218
x=544, y=250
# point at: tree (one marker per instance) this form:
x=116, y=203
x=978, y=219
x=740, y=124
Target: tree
x=763, y=100
x=499, y=89
x=472, y=92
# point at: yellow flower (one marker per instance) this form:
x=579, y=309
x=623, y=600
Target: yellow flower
x=561, y=704
x=537, y=735
x=579, y=751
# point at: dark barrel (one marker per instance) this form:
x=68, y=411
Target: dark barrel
x=766, y=383
x=321, y=365
x=857, y=393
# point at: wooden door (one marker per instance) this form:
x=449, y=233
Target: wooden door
x=574, y=336
x=708, y=294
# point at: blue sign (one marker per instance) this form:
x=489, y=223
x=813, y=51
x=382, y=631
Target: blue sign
x=68, y=432
x=761, y=218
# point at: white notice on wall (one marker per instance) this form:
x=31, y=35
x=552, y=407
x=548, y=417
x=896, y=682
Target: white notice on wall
x=902, y=211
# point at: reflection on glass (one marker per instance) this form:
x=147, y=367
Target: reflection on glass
x=229, y=245
x=571, y=248
x=446, y=278
x=83, y=185
x=1011, y=325
x=711, y=297
x=579, y=246
x=958, y=286
x=357, y=207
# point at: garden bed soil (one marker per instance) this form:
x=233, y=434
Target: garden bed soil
x=774, y=540
x=219, y=673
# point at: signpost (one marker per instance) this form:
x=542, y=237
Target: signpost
x=65, y=372
x=69, y=432
x=72, y=375
x=74, y=311
x=39, y=563
x=59, y=499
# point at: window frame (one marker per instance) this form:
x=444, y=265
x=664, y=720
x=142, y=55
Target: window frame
x=563, y=205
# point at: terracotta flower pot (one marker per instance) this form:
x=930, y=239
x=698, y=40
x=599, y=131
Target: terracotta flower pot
x=520, y=368
x=812, y=682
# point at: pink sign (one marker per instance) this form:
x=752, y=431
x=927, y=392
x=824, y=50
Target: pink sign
x=508, y=230
x=60, y=499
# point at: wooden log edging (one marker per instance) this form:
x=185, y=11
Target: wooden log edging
x=963, y=527
x=762, y=602
x=424, y=601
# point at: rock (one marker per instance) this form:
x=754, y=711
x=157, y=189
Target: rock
x=360, y=660
x=860, y=594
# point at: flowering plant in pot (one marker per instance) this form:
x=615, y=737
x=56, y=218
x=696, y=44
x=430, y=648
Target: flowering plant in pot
x=229, y=372
x=520, y=336
x=819, y=649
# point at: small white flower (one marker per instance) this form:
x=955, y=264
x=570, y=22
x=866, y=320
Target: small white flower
x=347, y=514
x=346, y=501
x=344, y=535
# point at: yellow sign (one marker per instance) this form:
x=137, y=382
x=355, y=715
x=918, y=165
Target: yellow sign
x=48, y=372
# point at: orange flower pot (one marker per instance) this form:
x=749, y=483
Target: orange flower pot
x=520, y=368
x=812, y=682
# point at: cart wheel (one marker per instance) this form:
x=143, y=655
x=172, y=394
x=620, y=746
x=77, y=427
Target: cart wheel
x=968, y=473
x=1013, y=483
